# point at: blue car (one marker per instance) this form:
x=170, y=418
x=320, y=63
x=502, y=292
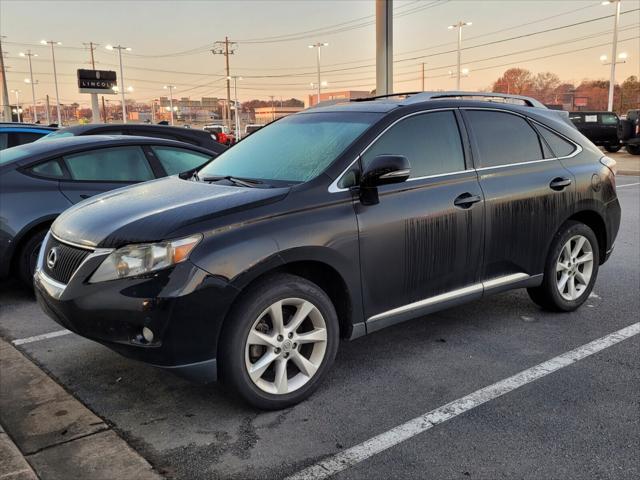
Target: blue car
x=14, y=134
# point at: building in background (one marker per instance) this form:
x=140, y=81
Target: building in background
x=343, y=95
x=264, y=115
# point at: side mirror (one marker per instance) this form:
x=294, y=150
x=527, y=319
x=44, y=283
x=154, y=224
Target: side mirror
x=382, y=170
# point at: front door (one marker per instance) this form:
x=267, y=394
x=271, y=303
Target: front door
x=421, y=245
x=99, y=170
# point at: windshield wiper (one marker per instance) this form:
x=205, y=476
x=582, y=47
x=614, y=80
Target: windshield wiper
x=244, y=182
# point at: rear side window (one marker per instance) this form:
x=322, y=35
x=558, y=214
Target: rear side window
x=49, y=169
x=503, y=138
x=576, y=117
x=608, y=119
x=20, y=138
x=559, y=146
x=178, y=160
x=430, y=141
x=118, y=164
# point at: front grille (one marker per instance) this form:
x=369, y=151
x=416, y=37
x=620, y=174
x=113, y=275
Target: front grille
x=67, y=259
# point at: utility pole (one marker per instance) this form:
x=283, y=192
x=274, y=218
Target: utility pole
x=33, y=87
x=120, y=48
x=423, y=76
x=6, y=106
x=17, y=93
x=237, y=105
x=95, y=106
x=222, y=48
x=384, y=47
x=104, y=110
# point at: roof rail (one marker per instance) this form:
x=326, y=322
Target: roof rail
x=414, y=97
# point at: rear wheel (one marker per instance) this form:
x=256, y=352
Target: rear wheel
x=613, y=148
x=633, y=149
x=280, y=342
x=570, y=270
x=28, y=257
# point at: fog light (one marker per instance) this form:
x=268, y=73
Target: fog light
x=147, y=334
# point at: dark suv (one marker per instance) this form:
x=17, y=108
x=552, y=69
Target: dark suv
x=363, y=215
x=599, y=127
x=629, y=132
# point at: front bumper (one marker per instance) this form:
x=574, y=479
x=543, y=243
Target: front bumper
x=183, y=306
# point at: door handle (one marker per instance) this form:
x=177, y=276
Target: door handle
x=559, y=183
x=466, y=200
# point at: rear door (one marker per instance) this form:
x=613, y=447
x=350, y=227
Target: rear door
x=527, y=192
x=424, y=238
x=96, y=171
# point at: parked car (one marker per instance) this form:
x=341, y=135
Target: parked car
x=369, y=214
x=186, y=135
x=221, y=133
x=629, y=132
x=14, y=134
x=40, y=180
x=599, y=127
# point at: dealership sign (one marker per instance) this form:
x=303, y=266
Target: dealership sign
x=97, y=81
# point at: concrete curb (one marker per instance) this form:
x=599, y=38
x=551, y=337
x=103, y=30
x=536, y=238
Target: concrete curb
x=54, y=432
x=13, y=465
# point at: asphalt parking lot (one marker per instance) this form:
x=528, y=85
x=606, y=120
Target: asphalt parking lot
x=582, y=421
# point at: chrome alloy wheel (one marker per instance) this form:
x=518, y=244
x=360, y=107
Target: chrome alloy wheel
x=285, y=346
x=574, y=267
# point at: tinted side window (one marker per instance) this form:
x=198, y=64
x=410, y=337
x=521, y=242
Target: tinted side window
x=178, y=160
x=609, y=119
x=576, y=117
x=430, y=141
x=560, y=146
x=118, y=164
x=20, y=138
x=49, y=169
x=503, y=138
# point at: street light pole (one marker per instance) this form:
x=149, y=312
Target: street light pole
x=459, y=26
x=170, y=88
x=17, y=92
x=318, y=46
x=614, y=47
x=122, y=89
x=55, y=75
x=33, y=87
x=235, y=94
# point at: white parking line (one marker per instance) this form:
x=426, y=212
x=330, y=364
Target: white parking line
x=44, y=336
x=390, y=438
x=628, y=185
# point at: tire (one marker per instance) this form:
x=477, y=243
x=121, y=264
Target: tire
x=243, y=347
x=28, y=256
x=613, y=148
x=550, y=295
x=633, y=149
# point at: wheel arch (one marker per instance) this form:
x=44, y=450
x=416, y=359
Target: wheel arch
x=25, y=234
x=595, y=222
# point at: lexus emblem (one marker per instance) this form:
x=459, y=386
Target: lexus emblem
x=52, y=258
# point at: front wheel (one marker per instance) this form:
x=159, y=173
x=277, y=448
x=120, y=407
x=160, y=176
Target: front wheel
x=613, y=148
x=570, y=270
x=280, y=342
x=28, y=257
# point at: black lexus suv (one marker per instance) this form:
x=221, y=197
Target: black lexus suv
x=362, y=215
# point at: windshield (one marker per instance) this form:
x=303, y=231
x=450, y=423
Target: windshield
x=296, y=148
x=54, y=135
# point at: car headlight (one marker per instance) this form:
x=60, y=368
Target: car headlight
x=141, y=259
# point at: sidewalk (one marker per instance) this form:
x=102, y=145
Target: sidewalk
x=56, y=436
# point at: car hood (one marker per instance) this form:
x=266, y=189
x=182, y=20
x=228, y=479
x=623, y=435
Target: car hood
x=153, y=211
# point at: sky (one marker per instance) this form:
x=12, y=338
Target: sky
x=171, y=42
